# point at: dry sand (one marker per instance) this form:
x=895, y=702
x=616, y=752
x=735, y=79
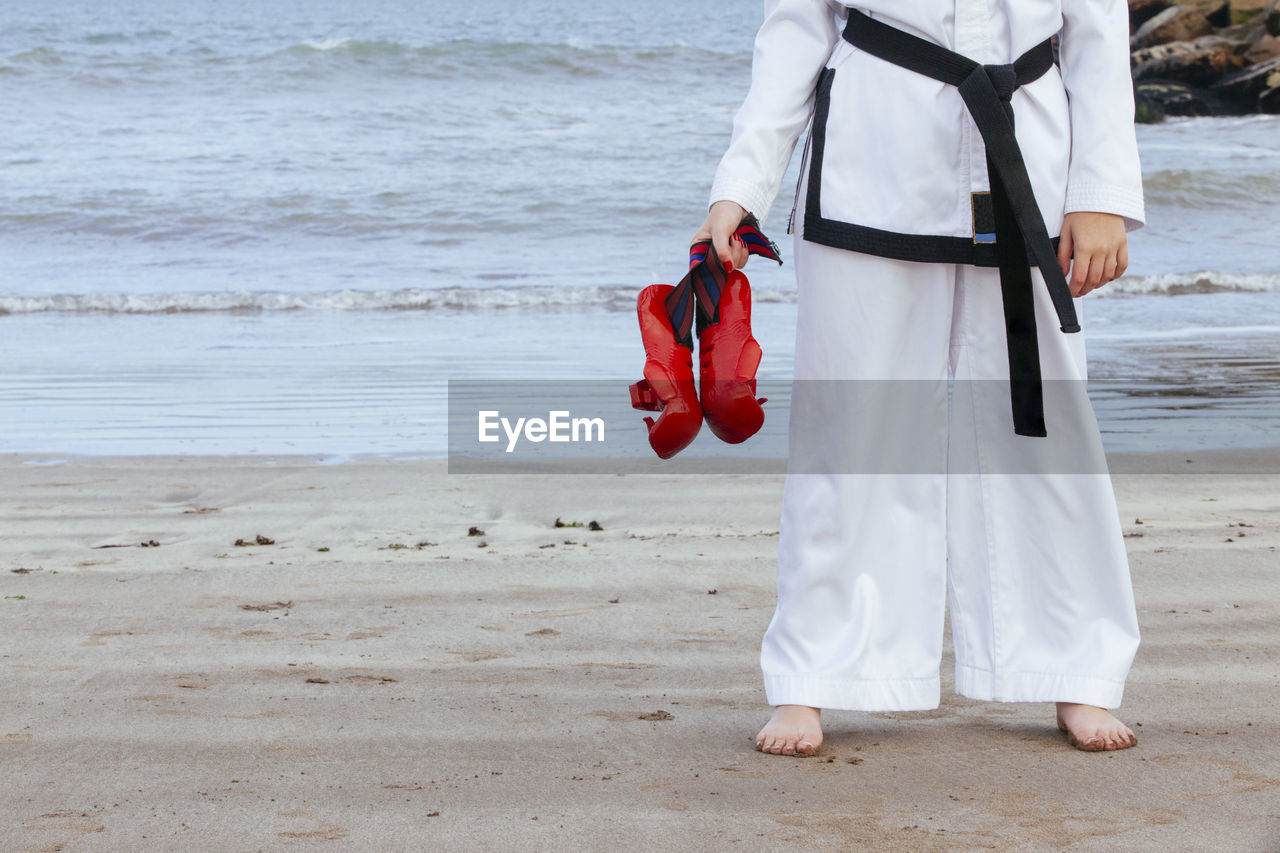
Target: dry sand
x=563, y=688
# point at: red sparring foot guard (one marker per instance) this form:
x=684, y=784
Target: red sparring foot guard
x=667, y=386
x=728, y=356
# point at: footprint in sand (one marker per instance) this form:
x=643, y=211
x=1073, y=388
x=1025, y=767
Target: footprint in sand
x=628, y=716
x=477, y=655
x=77, y=823
x=192, y=681
x=372, y=679
x=226, y=633
x=95, y=639
x=323, y=831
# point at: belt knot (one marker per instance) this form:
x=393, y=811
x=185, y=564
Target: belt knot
x=1004, y=78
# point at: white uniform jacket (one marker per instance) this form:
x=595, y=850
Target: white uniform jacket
x=901, y=152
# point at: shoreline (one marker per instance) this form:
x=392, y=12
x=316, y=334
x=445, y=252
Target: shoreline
x=1259, y=460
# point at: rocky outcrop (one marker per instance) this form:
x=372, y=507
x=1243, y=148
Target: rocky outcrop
x=1191, y=63
x=1267, y=47
x=1156, y=99
x=1247, y=86
x=1141, y=11
x=1177, y=23
x=1205, y=57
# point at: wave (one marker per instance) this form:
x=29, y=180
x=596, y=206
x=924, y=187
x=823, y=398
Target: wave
x=1202, y=188
x=1179, y=284
x=323, y=56
x=467, y=58
x=410, y=299
x=126, y=38
x=531, y=297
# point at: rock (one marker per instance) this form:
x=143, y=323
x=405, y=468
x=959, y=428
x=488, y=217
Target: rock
x=1267, y=47
x=1147, y=112
x=1141, y=11
x=1236, y=40
x=1193, y=66
x=1243, y=35
x=1243, y=87
x=1216, y=12
x=1269, y=101
x=1139, y=58
x=1177, y=23
x=1178, y=99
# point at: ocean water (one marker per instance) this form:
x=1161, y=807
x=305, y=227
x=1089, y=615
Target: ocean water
x=274, y=228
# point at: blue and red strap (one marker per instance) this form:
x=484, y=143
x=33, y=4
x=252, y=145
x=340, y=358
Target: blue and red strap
x=697, y=296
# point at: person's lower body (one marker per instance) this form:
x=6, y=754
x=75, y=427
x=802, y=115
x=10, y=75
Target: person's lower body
x=897, y=502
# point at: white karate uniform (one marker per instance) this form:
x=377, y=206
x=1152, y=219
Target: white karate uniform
x=1030, y=555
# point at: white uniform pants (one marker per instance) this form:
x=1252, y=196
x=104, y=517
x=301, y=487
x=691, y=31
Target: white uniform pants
x=1030, y=558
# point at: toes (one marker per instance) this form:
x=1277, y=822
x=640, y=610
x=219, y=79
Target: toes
x=782, y=744
x=1100, y=740
x=1091, y=742
x=1121, y=738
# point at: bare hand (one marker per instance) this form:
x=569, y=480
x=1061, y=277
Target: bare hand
x=722, y=220
x=1093, y=250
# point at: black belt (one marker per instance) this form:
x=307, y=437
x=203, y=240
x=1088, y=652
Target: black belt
x=987, y=90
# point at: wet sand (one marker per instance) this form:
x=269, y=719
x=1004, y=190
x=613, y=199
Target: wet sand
x=381, y=677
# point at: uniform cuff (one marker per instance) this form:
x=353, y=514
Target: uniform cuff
x=753, y=198
x=1108, y=198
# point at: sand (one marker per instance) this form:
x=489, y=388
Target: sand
x=379, y=678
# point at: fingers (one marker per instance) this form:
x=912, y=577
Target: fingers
x=1103, y=267
x=1079, y=274
x=738, y=253
x=1109, y=265
x=720, y=239
x=1092, y=267
x=1064, y=249
x=730, y=248
x=727, y=245
x=722, y=220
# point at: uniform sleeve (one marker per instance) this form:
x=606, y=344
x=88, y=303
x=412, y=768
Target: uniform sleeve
x=791, y=49
x=1105, y=174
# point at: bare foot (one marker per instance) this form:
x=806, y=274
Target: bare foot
x=1093, y=729
x=792, y=730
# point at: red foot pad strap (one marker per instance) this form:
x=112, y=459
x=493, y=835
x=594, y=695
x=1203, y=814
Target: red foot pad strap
x=699, y=291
